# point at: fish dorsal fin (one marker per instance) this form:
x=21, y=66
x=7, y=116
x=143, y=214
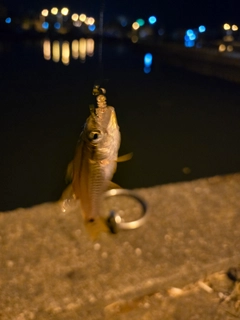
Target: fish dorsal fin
x=125, y=157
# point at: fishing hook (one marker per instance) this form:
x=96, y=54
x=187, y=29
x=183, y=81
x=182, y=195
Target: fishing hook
x=115, y=222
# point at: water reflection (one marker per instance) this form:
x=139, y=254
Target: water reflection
x=64, y=51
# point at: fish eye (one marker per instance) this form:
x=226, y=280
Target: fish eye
x=94, y=135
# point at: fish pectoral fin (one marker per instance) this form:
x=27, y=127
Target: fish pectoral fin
x=113, y=185
x=125, y=157
x=68, y=193
x=69, y=172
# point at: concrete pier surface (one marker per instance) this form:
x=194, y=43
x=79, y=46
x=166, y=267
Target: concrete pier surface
x=173, y=267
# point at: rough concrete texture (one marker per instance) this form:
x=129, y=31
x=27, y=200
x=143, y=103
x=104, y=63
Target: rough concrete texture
x=173, y=267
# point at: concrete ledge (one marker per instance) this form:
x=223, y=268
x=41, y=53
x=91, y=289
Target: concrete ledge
x=52, y=269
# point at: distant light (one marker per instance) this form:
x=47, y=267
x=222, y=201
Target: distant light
x=161, y=31
x=192, y=37
x=90, y=47
x=82, y=17
x=229, y=48
x=135, y=25
x=201, y=29
x=47, y=50
x=57, y=25
x=92, y=27
x=222, y=48
x=123, y=23
x=147, y=69
x=189, y=43
x=152, y=19
x=56, y=51
x=8, y=20
x=189, y=32
x=44, y=12
x=54, y=10
x=141, y=22
x=226, y=26
x=134, y=39
x=148, y=59
x=65, y=53
x=45, y=25
x=75, y=17
x=234, y=27
x=75, y=49
x=91, y=21
x=77, y=23
x=64, y=11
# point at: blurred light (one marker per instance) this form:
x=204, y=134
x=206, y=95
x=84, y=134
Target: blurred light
x=77, y=23
x=189, y=32
x=192, y=37
x=222, y=48
x=134, y=39
x=228, y=38
x=45, y=25
x=152, y=19
x=75, y=17
x=90, y=47
x=201, y=29
x=189, y=43
x=161, y=31
x=56, y=51
x=123, y=21
x=8, y=20
x=65, y=53
x=54, y=10
x=75, y=49
x=147, y=69
x=226, y=26
x=92, y=27
x=135, y=25
x=148, y=59
x=141, y=22
x=91, y=21
x=229, y=48
x=82, y=49
x=82, y=17
x=64, y=11
x=234, y=27
x=44, y=12
x=57, y=25
x=47, y=50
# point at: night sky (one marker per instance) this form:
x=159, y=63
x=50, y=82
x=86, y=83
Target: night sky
x=172, y=13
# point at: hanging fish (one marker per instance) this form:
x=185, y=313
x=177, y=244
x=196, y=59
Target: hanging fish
x=96, y=157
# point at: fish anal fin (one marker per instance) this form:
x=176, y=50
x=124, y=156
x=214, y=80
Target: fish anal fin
x=125, y=157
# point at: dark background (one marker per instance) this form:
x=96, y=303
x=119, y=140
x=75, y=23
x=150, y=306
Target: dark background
x=170, y=119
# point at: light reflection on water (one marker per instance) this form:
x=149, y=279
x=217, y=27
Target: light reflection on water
x=64, y=51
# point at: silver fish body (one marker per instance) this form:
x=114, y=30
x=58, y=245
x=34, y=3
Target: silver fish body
x=95, y=160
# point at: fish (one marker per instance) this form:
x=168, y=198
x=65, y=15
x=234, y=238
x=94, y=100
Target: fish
x=96, y=157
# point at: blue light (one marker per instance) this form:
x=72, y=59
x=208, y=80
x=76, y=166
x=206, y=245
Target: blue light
x=201, y=29
x=192, y=37
x=8, y=20
x=147, y=59
x=123, y=23
x=189, y=32
x=45, y=25
x=92, y=27
x=57, y=25
x=152, y=19
x=147, y=69
x=189, y=43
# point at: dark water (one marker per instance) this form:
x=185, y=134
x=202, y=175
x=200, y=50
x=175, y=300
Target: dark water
x=170, y=119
